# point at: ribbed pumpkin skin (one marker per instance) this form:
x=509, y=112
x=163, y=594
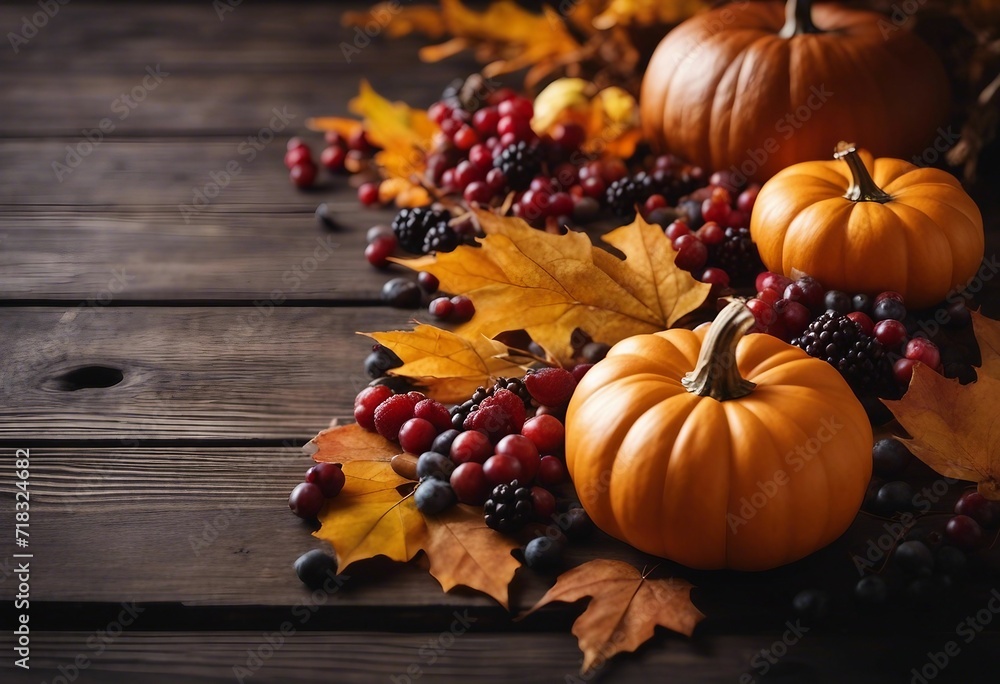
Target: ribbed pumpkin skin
x=723, y=83
x=662, y=469
x=925, y=242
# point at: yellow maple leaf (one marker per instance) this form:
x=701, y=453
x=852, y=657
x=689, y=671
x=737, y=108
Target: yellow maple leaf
x=398, y=21
x=347, y=443
x=463, y=551
x=624, y=609
x=954, y=427
x=371, y=518
x=645, y=12
x=405, y=134
x=549, y=285
x=449, y=366
x=610, y=117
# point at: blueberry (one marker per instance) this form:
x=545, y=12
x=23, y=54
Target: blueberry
x=575, y=524
x=544, y=553
x=951, y=560
x=432, y=464
x=315, y=567
x=324, y=215
x=895, y=496
x=434, y=496
x=915, y=558
x=442, y=443
x=401, y=293
x=862, y=303
x=838, y=301
x=889, y=309
x=871, y=590
x=811, y=603
x=890, y=457
x=381, y=360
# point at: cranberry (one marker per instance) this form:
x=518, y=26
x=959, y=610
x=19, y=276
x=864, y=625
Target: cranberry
x=477, y=192
x=902, y=370
x=714, y=276
x=711, y=233
x=543, y=504
x=496, y=180
x=748, y=198
x=770, y=296
x=417, y=435
x=328, y=477
x=334, y=139
x=441, y=308
x=502, y=469
x=691, y=252
x=519, y=128
x=358, y=141
x=518, y=107
x=481, y=156
x=569, y=135
x=470, y=483
x=379, y=250
x=890, y=333
x=368, y=194
x=465, y=137
x=547, y=433
x=964, y=532
x=295, y=143
x=306, y=500
x=486, y=120
x=676, y=230
x=772, y=281
x=923, y=350
x=560, y=204
x=471, y=446
x=980, y=509
x=551, y=471
x=333, y=158
x=464, y=309
x=439, y=112
x=428, y=282
x=303, y=175
x=593, y=186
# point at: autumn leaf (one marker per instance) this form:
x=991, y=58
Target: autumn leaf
x=549, y=285
x=645, y=12
x=347, y=443
x=955, y=428
x=449, y=366
x=401, y=21
x=463, y=551
x=371, y=518
x=404, y=133
x=624, y=609
x=345, y=127
x=609, y=117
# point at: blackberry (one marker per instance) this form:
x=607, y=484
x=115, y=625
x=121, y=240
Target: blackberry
x=737, y=255
x=460, y=412
x=509, y=507
x=840, y=342
x=519, y=162
x=623, y=194
x=411, y=226
x=440, y=238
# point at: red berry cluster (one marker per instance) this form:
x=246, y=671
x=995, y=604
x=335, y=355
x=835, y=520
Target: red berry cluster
x=351, y=154
x=323, y=481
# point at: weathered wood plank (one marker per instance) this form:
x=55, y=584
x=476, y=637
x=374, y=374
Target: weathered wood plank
x=127, y=256
x=365, y=657
x=231, y=373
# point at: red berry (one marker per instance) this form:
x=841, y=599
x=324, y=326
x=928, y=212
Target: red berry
x=303, y=175
x=888, y=294
x=613, y=169
x=306, y=500
x=543, y=504
x=470, y=483
x=713, y=211
x=890, y=333
x=653, y=202
x=428, y=282
x=380, y=249
x=551, y=471
x=481, y=156
x=593, y=187
x=964, y=532
x=295, y=143
x=772, y=281
x=434, y=412
x=417, y=435
x=980, y=509
x=496, y=180
x=392, y=413
x=478, y=192
x=748, y=198
x=439, y=112
x=358, y=141
x=299, y=155
x=561, y=204
x=441, y=308
x=864, y=322
x=711, y=233
x=715, y=276
x=519, y=107
x=366, y=402
x=676, y=230
x=466, y=172
x=472, y=446
x=691, y=253
x=499, y=415
x=903, y=370
x=569, y=135
x=486, y=120
x=923, y=350
x=462, y=308
x=764, y=313
x=770, y=296
x=807, y=291
x=581, y=369
x=332, y=158
x=450, y=126
x=522, y=449
x=795, y=317
x=520, y=129
x=502, y=469
x=465, y=137
x=550, y=386
x=368, y=194
x=328, y=477
x=547, y=433
x=334, y=139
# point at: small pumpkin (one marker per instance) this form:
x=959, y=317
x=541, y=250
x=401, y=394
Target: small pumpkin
x=754, y=87
x=868, y=225
x=718, y=450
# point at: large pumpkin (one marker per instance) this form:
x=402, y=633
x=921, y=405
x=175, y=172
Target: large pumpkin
x=869, y=225
x=753, y=87
x=718, y=450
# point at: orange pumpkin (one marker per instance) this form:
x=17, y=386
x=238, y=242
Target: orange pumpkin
x=754, y=87
x=864, y=225
x=718, y=450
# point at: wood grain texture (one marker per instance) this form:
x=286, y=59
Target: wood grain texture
x=365, y=657
x=77, y=255
x=189, y=373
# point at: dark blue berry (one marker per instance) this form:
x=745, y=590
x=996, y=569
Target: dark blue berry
x=895, y=496
x=544, y=553
x=434, y=496
x=380, y=360
x=889, y=309
x=315, y=567
x=890, y=457
x=402, y=293
x=813, y=604
x=915, y=558
x=442, y=443
x=435, y=465
x=871, y=590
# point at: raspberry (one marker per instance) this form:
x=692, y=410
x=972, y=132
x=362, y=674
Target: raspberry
x=550, y=386
x=434, y=412
x=392, y=413
x=498, y=415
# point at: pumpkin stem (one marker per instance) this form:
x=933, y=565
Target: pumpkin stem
x=716, y=374
x=863, y=187
x=798, y=19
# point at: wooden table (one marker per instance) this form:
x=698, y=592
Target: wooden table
x=164, y=367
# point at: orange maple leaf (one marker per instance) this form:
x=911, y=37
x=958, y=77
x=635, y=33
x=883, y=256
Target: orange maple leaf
x=955, y=428
x=624, y=610
x=347, y=443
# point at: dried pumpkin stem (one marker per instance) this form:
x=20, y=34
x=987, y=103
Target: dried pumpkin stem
x=863, y=187
x=798, y=19
x=716, y=374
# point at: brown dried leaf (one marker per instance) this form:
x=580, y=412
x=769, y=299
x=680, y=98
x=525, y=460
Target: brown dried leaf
x=449, y=366
x=955, y=428
x=348, y=443
x=624, y=610
x=371, y=518
x=549, y=285
x=463, y=551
